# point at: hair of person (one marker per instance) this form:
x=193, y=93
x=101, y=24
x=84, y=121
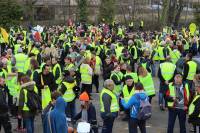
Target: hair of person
x=34, y=63
x=44, y=67
x=46, y=58
x=144, y=71
x=107, y=82
x=25, y=79
x=139, y=86
x=129, y=68
x=55, y=95
x=189, y=55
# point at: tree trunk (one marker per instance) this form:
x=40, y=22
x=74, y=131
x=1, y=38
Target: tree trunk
x=178, y=15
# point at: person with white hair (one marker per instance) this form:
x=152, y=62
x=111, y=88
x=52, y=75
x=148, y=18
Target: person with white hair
x=109, y=106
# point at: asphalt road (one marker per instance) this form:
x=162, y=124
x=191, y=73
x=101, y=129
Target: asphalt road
x=157, y=124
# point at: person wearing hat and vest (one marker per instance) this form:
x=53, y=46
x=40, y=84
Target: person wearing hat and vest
x=4, y=116
x=109, y=106
x=127, y=92
x=57, y=72
x=20, y=60
x=177, y=98
x=147, y=81
x=88, y=112
x=194, y=108
x=23, y=110
x=189, y=71
x=117, y=76
x=86, y=76
x=166, y=73
x=67, y=89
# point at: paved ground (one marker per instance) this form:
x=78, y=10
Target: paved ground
x=157, y=124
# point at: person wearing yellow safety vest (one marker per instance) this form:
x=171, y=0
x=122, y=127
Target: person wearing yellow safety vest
x=35, y=70
x=24, y=110
x=17, y=46
x=141, y=25
x=132, y=46
x=177, y=97
x=67, y=90
x=127, y=92
x=130, y=73
x=97, y=67
x=194, y=108
x=109, y=106
x=46, y=85
x=4, y=108
x=163, y=51
x=117, y=76
x=20, y=61
x=68, y=63
x=145, y=60
x=189, y=71
x=131, y=26
x=57, y=72
x=86, y=76
x=166, y=73
x=3, y=72
x=46, y=60
x=147, y=81
x=186, y=47
x=175, y=54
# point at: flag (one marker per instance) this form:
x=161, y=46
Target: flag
x=4, y=34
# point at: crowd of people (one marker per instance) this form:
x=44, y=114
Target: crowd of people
x=45, y=72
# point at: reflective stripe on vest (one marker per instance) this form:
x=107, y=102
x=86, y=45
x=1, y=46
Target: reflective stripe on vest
x=25, y=107
x=59, y=79
x=126, y=93
x=46, y=97
x=118, y=88
x=13, y=87
x=175, y=55
x=192, y=106
x=167, y=70
x=114, y=107
x=21, y=60
x=192, y=70
x=148, y=84
x=160, y=53
x=69, y=93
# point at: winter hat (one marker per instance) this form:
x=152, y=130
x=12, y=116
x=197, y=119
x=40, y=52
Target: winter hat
x=84, y=97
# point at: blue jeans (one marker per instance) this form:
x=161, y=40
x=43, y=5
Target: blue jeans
x=29, y=124
x=161, y=99
x=173, y=113
x=107, y=125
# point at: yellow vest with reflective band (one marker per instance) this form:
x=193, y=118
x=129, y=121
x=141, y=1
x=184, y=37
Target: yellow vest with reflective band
x=3, y=73
x=161, y=53
x=9, y=66
x=25, y=107
x=126, y=93
x=118, y=51
x=192, y=70
x=41, y=66
x=69, y=93
x=35, y=51
x=97, y=69
x=135, y=56
x=46, y=94
x=28, y=64
x=133, y=75
x=148, y=84
x=21, y=60
x=186, y=46
x=37, y=70
x=85, y=76
x=118, y=88
x=59, y=80
x=175, y=56
x=156, y=56
x=141, y=23
x=192, y=106
x=68, y=67
x=16, y=48
x=13, y=86
x=167, y=70
x=114, y=107
x=173, y=93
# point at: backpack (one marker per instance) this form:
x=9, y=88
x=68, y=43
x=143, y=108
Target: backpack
x=33, y=101
x=145, y=110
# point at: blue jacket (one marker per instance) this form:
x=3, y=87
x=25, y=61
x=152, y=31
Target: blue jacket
x=57, y=118
x=134, y=103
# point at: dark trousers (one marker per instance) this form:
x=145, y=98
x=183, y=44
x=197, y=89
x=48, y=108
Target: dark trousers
x=5, y=122
x=173, y=113
x=133, y=123
x=87, y=88
x=107, y=125
x=29, y=124
x=95, y=81
x=70, y=109
x=191, y=88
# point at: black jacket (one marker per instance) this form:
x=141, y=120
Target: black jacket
x=193, y=118
x=3, y=103
x=107, y=68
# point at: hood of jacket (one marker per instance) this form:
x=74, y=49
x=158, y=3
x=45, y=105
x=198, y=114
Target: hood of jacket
x=29, y=85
